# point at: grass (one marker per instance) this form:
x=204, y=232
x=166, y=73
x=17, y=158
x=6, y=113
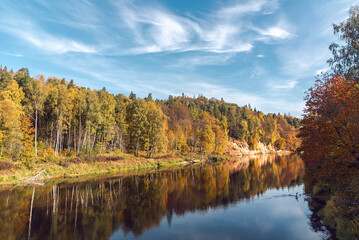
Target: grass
x=98, y=166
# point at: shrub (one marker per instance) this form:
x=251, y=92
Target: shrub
x=6, y=165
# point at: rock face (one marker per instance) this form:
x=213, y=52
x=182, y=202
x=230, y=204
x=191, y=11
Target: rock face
x=239, y=148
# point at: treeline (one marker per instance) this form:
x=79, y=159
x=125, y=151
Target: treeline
x=53, y=117
x=330, y=134
x=243, y=123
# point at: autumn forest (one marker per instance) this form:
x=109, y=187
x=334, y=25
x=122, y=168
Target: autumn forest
x=53, y=117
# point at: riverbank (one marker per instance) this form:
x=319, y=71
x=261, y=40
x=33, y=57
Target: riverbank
x=18, y=172
x=96, y=166
x=337, y=207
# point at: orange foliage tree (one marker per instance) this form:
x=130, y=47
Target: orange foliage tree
x=330, y=131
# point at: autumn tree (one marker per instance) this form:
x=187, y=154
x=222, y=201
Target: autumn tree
x=5, y=78
x=11, y=111
x=331, y=121
x=58, y=107
x=345, y=60
x=136, y=120
x=156, y=128
x=120, y=117
x=36, y=95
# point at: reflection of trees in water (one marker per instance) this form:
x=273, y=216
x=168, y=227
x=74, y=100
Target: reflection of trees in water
x=93, y=210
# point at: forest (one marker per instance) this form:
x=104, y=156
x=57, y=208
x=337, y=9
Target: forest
x=330, y=134
x=50, y=117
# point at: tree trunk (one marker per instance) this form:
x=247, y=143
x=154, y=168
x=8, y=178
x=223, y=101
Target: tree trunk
x=2, y=148
x=137, y=146
x=79, y=144
x=112, y=144
x=150, y=154
x=75, y=149
x=69, y=140
x=57, y=146
x=148, y=144
x=51, y=134
x=93, y=142
x=35, y=130
x=84, y=141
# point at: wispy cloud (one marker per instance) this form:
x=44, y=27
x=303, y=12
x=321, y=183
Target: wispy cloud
x=155, y=29
x=12, y=54
x=286, y=85
x=141, y=28
x=52, y=44
x=203, y=60
x=303, y=60
x=248, y=7
x=14, y=22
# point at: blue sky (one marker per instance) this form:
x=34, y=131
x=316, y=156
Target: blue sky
x=263, y=52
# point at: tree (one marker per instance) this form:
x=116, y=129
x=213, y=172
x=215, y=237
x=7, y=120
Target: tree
x=345, y=60
x=156, y=129
x=22, y=77
x=149, y=97
x=332, y=104
x=136, y=120
x=108, y=105
x=10, y=120
x=27, y=138
x=5, y=78
x=36, y=97
x=79, y=110
x=93, y=119
x=120, y=117
x=58, y=107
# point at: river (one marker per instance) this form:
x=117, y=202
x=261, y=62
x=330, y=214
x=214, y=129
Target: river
x=258, y=197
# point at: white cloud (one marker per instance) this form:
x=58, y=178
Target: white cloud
x=286, y=85
x=260, y=56
x=276, y=32
x=281, y=31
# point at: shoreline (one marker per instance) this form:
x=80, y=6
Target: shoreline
x=89, y=167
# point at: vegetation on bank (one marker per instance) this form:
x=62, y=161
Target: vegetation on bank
x=17, y=172
x=330, y=134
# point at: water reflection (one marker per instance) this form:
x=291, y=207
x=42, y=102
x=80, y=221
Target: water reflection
x=135, y=204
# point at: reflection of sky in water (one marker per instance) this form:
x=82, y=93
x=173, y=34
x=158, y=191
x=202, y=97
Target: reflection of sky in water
x=276, y=214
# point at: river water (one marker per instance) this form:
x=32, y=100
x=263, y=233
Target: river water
x=258, y=197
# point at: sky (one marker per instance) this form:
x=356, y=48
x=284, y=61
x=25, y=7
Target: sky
x=263, y=52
